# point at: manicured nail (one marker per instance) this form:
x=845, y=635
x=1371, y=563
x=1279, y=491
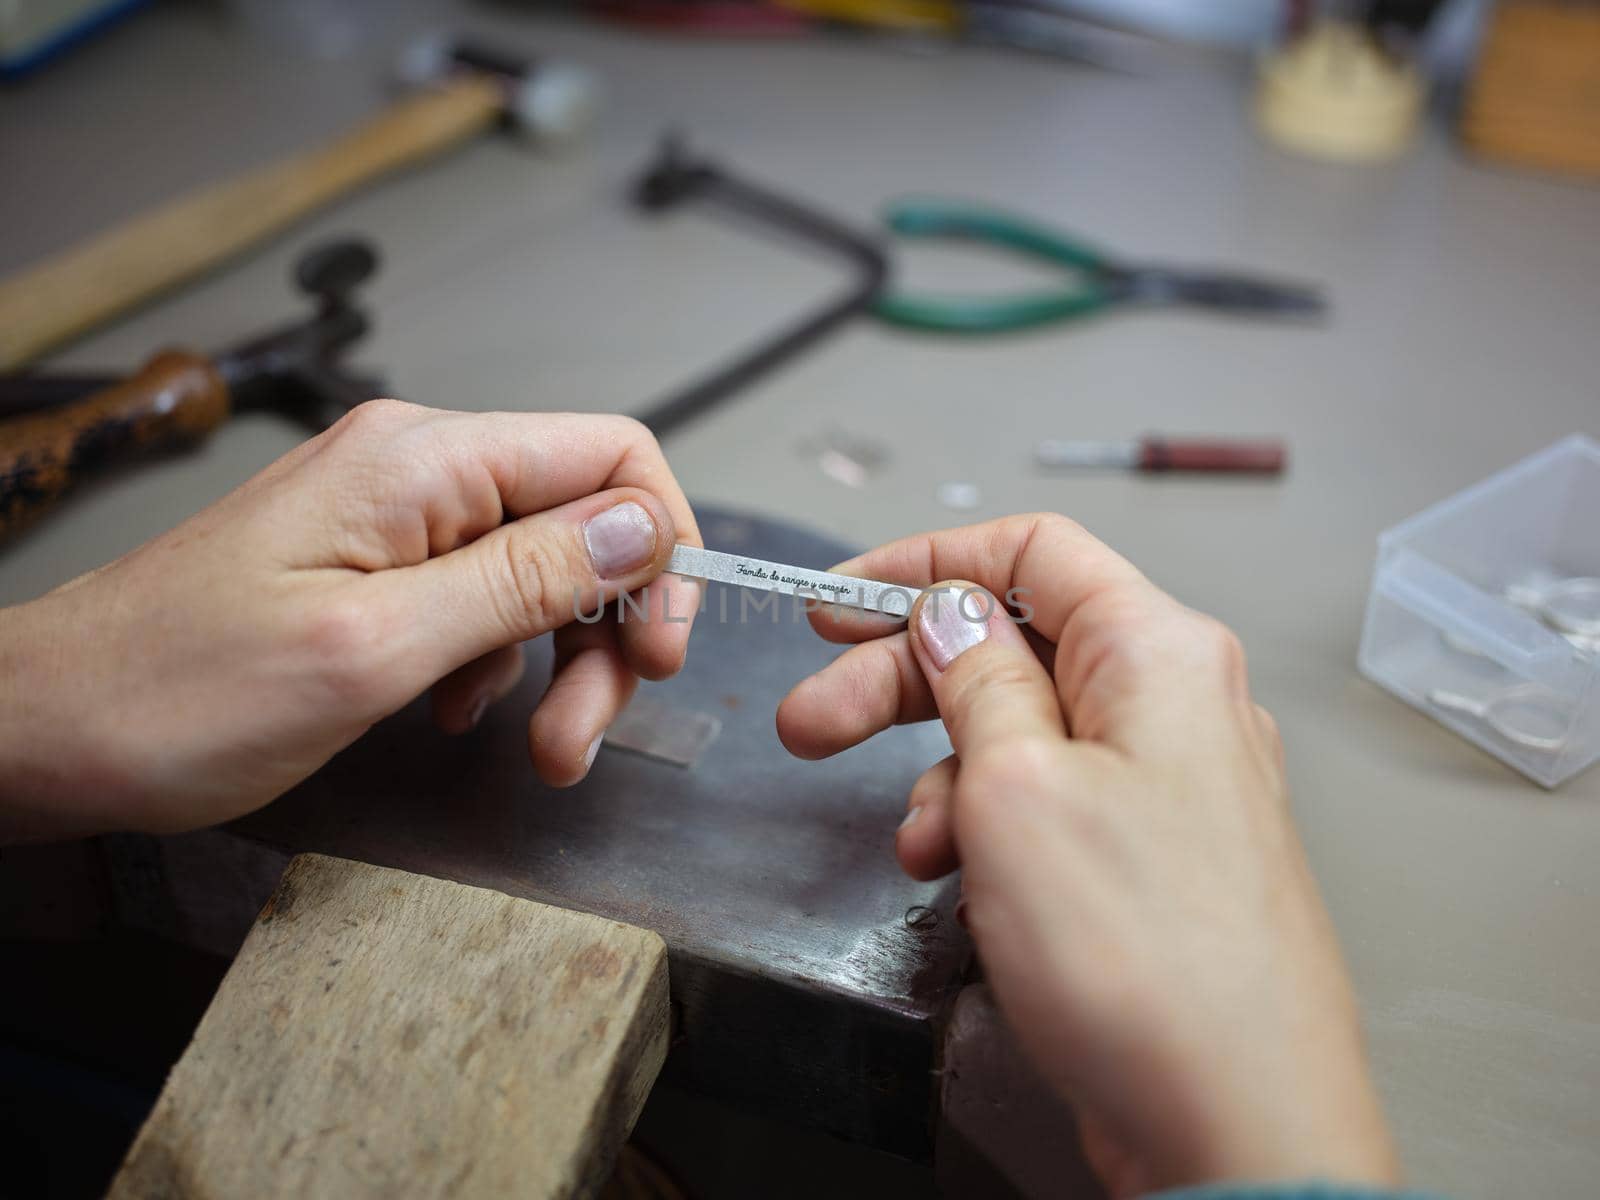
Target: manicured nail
x=952, y=620
x=475, y=713
x=594, y=748
x=620, y=540
x=911, y=815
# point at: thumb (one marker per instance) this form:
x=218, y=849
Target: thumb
x=531, y=576
x=988, y=683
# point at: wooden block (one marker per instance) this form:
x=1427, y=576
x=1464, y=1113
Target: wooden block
x=1535, y=93
x=386, y=1034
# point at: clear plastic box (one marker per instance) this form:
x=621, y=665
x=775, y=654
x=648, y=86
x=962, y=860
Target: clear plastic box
x=1485, y=612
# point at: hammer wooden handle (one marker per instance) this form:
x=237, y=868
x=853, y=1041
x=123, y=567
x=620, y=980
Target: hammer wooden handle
x=176, y=399
x=71, y=293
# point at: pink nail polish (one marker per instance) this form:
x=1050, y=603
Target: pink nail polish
x=620, y=540
x=953, y=620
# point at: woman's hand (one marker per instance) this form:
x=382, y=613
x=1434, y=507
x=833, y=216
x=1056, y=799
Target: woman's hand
x=1131, y=873
x=406, y=548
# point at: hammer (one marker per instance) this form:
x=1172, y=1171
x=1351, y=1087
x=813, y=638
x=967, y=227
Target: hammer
x=470, y=88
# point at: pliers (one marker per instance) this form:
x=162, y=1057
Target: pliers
x=1100, y=281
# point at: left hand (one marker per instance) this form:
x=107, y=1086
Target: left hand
x=211, y=669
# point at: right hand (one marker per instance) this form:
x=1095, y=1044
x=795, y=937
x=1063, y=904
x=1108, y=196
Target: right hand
x=1131, y=873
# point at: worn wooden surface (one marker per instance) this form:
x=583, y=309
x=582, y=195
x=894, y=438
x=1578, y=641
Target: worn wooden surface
x=386, y=1034
x=1535, y=94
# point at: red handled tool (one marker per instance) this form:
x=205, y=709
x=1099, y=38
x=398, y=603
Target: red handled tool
x=1235, y=456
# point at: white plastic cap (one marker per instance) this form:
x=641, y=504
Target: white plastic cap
x=557, y=102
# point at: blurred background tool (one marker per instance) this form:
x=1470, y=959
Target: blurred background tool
x=179, y=397
x=31, y=391
x=34, y=31
x=1535, y=97
x=1337, y=93
x=675, y=177
x=71, y=293
x=907, y=16
x=1233, y=456
x=1036, y=28
x=709, y=18
x=1101, y=281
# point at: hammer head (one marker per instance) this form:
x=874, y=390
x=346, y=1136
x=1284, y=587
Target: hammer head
x=552, y=102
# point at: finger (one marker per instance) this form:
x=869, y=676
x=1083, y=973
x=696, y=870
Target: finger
x=925, y=842
x=1144, y=674
x=590, y=685
x=465, y=474
x=462, y=697
x=1271, y=740
x=990, y=687
x=1043, y=565
x=1133, y=667
x=654, y=623
x=864, y=691
x=846, y=625
x=525, y=579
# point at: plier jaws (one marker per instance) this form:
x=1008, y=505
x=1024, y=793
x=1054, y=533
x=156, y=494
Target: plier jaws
x=1239, y=294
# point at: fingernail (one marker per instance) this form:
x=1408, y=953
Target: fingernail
x=948, y=626
x=594, y=749
x=961, y=911
x=475, y=713
x=911, y=816
x=620, y=540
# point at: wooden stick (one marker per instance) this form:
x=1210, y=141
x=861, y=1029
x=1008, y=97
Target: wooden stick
x=384, y=1034
x=76, y=290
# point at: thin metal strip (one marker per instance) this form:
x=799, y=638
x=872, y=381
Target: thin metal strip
x=890, y=599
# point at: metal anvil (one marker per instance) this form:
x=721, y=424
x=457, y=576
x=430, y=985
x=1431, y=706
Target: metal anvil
x=808, y=974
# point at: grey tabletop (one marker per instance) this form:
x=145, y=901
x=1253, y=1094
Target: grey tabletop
x=1462, y=338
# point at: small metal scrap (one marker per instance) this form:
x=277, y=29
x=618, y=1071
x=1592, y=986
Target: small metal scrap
x=845, y=457
x=663, y=731
x=1571, y=607
x=958, y=495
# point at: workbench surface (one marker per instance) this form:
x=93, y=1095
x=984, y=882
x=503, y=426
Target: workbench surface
x=1462, y=338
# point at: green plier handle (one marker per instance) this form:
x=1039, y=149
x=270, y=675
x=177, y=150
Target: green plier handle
x=1092, y=289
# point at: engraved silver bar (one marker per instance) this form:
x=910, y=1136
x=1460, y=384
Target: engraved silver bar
x=890, y=599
